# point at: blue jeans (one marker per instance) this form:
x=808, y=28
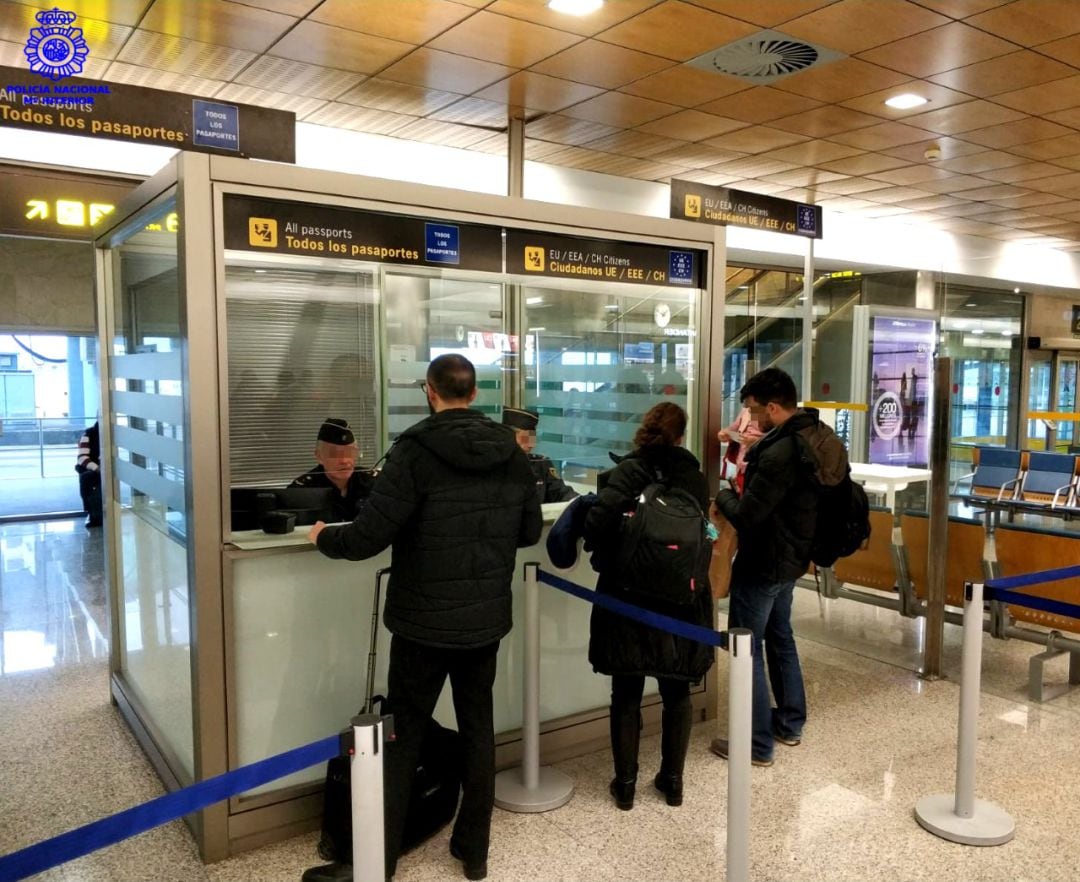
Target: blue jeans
x=766, y=610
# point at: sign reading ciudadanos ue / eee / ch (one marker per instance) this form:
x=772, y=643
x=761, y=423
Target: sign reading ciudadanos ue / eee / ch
x=49, y=96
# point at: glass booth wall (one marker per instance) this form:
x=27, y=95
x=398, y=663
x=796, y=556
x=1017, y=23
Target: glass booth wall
x=147, y=398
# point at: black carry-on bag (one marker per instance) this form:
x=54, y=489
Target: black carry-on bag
x=434, y=797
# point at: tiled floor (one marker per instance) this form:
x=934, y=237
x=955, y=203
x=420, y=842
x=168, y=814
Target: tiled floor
x=838, y=807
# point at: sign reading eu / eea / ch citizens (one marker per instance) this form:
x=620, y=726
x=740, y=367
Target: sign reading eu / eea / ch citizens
x=723, y=206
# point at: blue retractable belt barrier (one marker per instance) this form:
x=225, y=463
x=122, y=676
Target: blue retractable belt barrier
x=1018, y=598
x=130, y=822
x=1026, y=580
x=656, y=620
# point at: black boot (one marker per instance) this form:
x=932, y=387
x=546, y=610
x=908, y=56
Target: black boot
x=333, y=872
x=625, y=736
x=674, y=740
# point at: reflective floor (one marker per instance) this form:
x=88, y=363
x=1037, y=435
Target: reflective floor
x=838, y=807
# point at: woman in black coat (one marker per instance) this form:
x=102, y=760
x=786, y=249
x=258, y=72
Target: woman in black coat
x=629, y=651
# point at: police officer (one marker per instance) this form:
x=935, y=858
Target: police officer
x=523, y=422
x=336, y=451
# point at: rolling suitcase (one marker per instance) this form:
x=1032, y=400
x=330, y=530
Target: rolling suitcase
x=434, y=796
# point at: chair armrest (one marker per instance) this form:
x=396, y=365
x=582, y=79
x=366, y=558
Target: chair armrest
x=1006, y=484
x=956, y=483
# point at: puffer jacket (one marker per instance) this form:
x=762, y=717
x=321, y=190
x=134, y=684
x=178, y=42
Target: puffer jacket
x=454, y=500
x=618, y=645
x=777, y=513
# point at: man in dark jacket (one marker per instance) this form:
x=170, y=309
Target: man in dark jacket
x=775, y=519
x=454, y=501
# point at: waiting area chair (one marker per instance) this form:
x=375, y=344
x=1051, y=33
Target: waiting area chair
x=1049, y=477
x=997, y=475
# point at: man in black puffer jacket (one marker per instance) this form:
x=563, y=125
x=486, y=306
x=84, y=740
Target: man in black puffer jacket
x=775, y=519
x=455, y=500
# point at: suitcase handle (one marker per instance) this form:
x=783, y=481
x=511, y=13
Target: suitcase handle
x=369, y=690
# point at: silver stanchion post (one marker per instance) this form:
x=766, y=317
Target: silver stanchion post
x=531, y=788
x=740, y=705
x=960, y=817
x=368, y=833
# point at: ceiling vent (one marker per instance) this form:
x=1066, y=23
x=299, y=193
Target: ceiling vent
x=765, y=57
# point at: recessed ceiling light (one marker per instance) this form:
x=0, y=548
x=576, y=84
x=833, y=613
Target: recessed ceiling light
x=906, y=101
x=575, y=7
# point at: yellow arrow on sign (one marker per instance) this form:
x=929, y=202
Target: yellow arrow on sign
x=38, y=208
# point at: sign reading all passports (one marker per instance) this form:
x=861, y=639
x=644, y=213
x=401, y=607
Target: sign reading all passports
x=602, y=260
x=299, y=228
x=723, y=206
x=96, y=109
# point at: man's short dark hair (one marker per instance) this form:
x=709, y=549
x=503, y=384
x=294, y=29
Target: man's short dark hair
x=771, y=384
x=453, y=377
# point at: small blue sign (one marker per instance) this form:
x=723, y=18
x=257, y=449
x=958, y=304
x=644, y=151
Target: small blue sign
x=681, y=268
x=215, y=125
x=806, y=220
x=441, y=244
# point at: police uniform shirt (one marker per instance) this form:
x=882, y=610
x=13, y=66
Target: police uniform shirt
x=552, y=487
x=345, y=507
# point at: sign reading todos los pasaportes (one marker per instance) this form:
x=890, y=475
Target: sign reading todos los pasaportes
x=265, y=225
x=603, y=260
x=723, y=206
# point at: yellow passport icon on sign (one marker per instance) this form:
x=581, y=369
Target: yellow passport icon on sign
x=262, y=231
x=534, y=259
x=693, y=205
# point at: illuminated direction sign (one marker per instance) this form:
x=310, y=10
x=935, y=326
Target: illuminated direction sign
x=723, y=206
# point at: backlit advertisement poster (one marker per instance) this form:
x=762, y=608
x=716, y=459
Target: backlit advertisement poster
x=901, y=359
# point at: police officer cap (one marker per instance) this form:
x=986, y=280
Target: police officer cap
x=336, y=432
x=519, y=419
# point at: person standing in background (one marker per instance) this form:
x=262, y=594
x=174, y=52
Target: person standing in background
x=88, y=465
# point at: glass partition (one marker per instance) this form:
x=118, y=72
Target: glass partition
x=146, y=388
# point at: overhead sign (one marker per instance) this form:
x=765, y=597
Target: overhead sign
x=56, y=205
x=603, y=260
x=723, y=206
x=95, y=109
x=272, y=226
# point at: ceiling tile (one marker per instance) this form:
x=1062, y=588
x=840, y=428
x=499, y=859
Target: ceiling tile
x=950, y=148
x=1067, y=50
x=955, y=184
x=474, y=112
x=218, y=22
x=1044, y=98
x=843, y=204
x=697, y=155
x=677, y=30
x=494, y=144
x=281, y=74
x=1029, y=22
x=850, y=27
x=889, y=195
x=912, y=174
x=1006, y=73
x=103, y=38
x=1053, y=148
x=13, y=55
x=601, y=64
x=966, y=209
x=397, y=97
x=756, y=139
x=639, y=144
x=825, y=121
x=965, y=117
x=814, y=152
x=1056, y=183
x=295, y=8
x=166, y=52
x=537, y=92
x=605, y=17
x=766, y=188
x=760, y=104
x=408, y=21
x=1071, y=160
x=445, y=71
x=123, y=12
x=937, y=96
x=566, y=130
x=884, y=211
x=692, y=125
x=976, y=163
x=752, y=167
x=768, y=15
x=333, y=47
x=618, y=109
x=1069, y=117
x=1028, y=171
x=841, y=80
x=1022, y=131
x=509, y=41
x=169, y=81
x=930, y=203
x=985, y=194
x=883, y=136
x=866, y=164
x=359, y=119
x=301, y=105
x=704, y=177
x=1031, y=200
x=961, y=8
x=446, y=134
x=941, y=49
x=685, y=86
x=805, y=177
x=848, y=186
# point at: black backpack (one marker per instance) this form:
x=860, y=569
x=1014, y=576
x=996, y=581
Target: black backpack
x=843, y=511
x=660, y=544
